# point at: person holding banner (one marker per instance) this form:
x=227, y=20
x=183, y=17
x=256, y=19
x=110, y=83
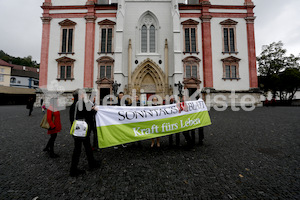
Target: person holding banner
x=155, y=103
x=121, y=102
x=81, y=114
x=182, y=107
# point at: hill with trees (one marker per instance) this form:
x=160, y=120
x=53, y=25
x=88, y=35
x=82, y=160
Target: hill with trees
x=26, y=61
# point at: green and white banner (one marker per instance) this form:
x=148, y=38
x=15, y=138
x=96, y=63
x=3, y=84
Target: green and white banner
x=124, y=124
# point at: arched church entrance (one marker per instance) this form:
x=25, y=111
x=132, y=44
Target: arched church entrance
x=148, y=79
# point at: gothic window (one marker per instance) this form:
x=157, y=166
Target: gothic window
x=229, y=36
x=67, y=37
x=190, y=36
x=65, y=68
x=105, y=68
x=148, y=34
x=144, y=38
x=231, y=68
x=106, y=36
x=152, y=39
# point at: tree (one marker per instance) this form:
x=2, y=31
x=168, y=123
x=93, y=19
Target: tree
x=274, y=66
x=289, y=83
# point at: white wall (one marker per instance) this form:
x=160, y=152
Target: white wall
x=97, y=47
x=79, y=48
x=200, y=50
x=23, y=82
x=227, y=2
x=68, y=2
x=134, y=10
x=217, y=55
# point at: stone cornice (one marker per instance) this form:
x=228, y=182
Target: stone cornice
x=47, y=4
x=206, y=18
x=190, y=22
x=90, y=3
x=65, y=59
x=90, y=18
x=250, y=20
x=105, y=59
x=228, y=22
x=67, y=22
x=191, y=59
x=231, y=59
x=107, y=22
x=46, y=20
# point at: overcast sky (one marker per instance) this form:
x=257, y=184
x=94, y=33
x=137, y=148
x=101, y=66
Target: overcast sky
x=21, y=26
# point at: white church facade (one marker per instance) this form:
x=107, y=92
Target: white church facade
x=149, y=46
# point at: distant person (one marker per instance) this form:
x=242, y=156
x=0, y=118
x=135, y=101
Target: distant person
x=182, y=107
x=53, y=118
x=273, y=101
x=43, y=107
x=267, y=102
x=29, y=105
x=137, y=102
x=155, y=103
x=121, y=102
x=77, y=114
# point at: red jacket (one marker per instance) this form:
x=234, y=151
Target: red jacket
x=53, y=124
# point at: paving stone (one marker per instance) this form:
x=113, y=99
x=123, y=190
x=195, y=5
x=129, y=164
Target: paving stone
x=262, y=146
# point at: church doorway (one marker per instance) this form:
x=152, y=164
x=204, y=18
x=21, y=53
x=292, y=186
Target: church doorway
x=148, y=79
x=103, y=93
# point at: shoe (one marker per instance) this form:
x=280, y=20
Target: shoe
x=116, y=147
x=54, y=155
x=124, y=145
x=189, y=148
x=46, y=149
x=95, y=165
x=158, y=145
x=76, y=173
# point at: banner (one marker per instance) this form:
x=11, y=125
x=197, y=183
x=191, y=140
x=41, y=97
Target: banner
x=124, y=124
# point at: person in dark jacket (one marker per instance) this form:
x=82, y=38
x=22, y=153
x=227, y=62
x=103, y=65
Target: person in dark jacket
x=53, y=118
x=182, y=107
x=77, y=114
x=155, y=103
x=121, y=102
x=29, y=105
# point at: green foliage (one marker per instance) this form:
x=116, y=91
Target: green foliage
x=26, y=61
x=288, y=83
x=278, y=73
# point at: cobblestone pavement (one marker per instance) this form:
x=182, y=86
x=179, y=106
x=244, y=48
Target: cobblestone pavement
x=246, y=155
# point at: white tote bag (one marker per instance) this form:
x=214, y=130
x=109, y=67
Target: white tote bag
x=79, y=127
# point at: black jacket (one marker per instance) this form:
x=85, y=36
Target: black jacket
x=88, y=116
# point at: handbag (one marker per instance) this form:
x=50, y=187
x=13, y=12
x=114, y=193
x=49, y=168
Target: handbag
x=79, y=127
x=44, y=123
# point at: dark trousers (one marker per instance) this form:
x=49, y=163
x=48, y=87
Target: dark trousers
x=77, y=151
x=188, y=138
x=50, y=144
x=30, y=110
x=200, y=133
x=92, y=127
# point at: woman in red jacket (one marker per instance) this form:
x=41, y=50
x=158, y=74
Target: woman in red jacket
x=53, y=118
